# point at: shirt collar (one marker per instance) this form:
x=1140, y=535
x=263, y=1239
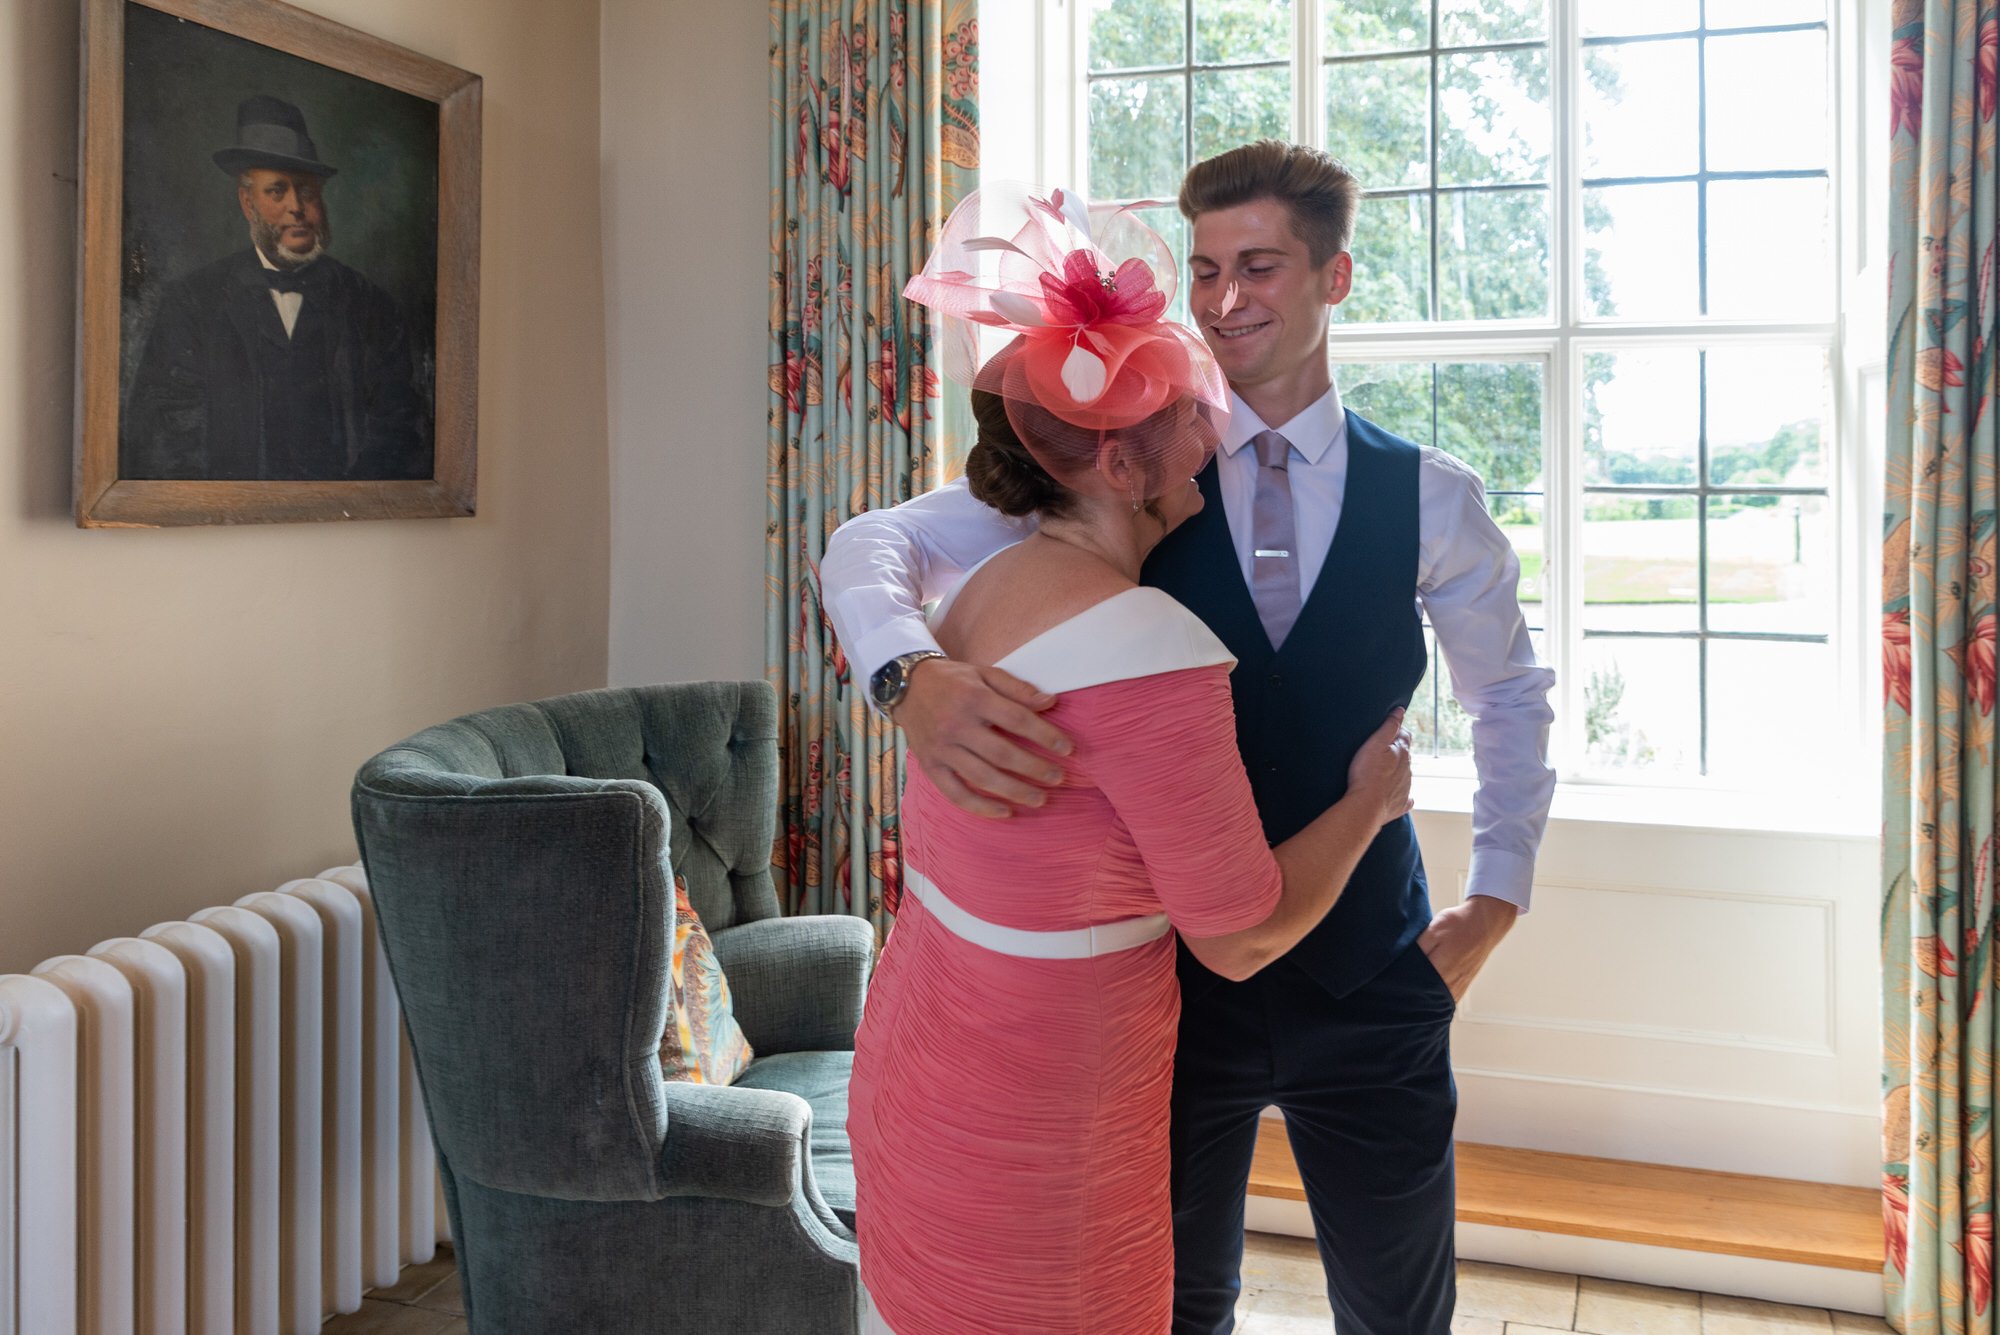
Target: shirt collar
x=1312, y=433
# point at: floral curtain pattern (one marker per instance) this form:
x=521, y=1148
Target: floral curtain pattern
x=874, y=136
x=1938, y=673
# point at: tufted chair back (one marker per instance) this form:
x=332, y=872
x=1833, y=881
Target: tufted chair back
x=537, y=842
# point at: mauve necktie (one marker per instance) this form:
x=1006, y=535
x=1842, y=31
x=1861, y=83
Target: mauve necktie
x=1274, y=569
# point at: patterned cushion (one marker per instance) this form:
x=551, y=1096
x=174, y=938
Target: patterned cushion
x=702, y=1042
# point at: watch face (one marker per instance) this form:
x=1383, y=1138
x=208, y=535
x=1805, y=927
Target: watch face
x=884, y=684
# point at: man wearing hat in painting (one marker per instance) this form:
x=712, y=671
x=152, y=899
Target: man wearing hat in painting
x=277, y=363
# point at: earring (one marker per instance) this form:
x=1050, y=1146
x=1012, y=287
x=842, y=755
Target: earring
x=1137, y=504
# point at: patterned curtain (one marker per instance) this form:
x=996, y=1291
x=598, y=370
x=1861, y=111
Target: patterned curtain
x=874, y=136
x=1938, y=661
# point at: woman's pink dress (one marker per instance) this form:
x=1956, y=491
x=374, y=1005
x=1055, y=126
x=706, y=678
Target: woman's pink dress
x=1009, y=1114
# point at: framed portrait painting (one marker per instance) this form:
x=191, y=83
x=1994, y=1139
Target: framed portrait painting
x=278, y=304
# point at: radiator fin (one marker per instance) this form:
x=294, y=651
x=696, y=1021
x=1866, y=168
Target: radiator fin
x=213, y=1127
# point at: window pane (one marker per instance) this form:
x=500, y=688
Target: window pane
x=1520, y=518
x=1233, y=107
x=1129, y=34
x=1748, y=13
x=1135, y=137
x=1771, y=711
x=1641, y=563
x=1767, y=249
x=1641, y=417
x=1490, y=415
x=1767, y=102
x=1641, y=705
x=1422, y=718
x=1395, y=396
x=1377, y=25
x=1378, y=117
x=1392, y=261
x=1173, y=229
x=1493, y=111
x=1770, y=564
x=1641, y=252
x=1469, y=22
x=1604, y=18
x=1639, y=109
x=1493, y=255
x=1768, y=410
x=1232, y=30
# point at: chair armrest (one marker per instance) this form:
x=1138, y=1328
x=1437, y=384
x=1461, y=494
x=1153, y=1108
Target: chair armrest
x=749, y=1145
x=798, y=984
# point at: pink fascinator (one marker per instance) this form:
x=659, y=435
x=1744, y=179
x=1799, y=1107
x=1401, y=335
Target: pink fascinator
x=1082, y=289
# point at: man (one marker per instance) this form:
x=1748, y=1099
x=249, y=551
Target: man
x=278, y=363
x=1322, y=537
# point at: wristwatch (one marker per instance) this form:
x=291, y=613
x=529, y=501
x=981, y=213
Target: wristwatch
x=891, y=681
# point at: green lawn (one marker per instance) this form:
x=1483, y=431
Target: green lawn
x=1637, y=580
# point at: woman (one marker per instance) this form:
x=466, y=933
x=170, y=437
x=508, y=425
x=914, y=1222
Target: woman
x=1009, y=1106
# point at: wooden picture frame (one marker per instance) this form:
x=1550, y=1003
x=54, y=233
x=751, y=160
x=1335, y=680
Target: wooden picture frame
x=201, y=446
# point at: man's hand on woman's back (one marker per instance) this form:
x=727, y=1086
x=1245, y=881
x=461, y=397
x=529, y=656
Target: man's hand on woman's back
x=966, y=723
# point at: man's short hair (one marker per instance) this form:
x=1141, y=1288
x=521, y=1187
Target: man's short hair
x=1321, y=194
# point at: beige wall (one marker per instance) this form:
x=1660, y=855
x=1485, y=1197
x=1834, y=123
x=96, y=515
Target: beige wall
x=687, y=250
x=181, y=710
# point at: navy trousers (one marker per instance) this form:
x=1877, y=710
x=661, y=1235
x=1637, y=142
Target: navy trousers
x=1365, y=1085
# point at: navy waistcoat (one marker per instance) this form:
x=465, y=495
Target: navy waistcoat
x=1303, y=709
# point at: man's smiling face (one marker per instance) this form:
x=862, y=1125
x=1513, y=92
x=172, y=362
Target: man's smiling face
x=1277, y=324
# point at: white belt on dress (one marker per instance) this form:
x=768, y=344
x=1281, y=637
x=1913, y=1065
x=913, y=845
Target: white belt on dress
x=1076, y=943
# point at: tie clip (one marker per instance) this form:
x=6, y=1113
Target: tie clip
x=1268, y=551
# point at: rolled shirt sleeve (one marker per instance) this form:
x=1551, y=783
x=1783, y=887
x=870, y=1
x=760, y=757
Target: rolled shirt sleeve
x=1468, y=580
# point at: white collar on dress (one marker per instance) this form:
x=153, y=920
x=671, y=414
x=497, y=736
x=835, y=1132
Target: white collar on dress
x=1136, y=633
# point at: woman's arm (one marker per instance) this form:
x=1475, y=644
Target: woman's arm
x=1163, y=751
x=1317, y=861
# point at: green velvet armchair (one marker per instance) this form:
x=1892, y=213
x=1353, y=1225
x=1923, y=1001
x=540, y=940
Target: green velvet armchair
x=522, y=862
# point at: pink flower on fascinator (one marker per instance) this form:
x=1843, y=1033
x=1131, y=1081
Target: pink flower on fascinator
x=1084, y=290
x=1091, y=315
x=1085, y=295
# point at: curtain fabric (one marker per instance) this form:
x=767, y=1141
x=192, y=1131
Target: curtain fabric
x=1938, y=670
x=874, y=136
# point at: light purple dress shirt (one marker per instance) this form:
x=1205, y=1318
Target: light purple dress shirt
x=881, y=567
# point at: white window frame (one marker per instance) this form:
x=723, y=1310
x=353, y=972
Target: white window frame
x=1852, y=333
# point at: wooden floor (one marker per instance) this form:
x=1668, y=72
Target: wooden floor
x=1767, y=1218
x=1284, y=1293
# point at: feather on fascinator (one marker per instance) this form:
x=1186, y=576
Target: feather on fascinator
x=1082, y=289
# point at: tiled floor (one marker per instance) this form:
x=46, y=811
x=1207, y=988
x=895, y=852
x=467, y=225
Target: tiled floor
x=1284, y=1293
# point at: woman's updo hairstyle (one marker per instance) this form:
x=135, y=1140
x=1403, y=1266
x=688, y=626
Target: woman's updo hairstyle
x=1000, y=470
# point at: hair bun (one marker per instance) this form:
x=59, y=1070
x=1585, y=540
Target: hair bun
x=1011, y=483
x=1001, y=472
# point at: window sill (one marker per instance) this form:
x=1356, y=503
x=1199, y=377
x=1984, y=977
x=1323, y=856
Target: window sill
x=1850, y=816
